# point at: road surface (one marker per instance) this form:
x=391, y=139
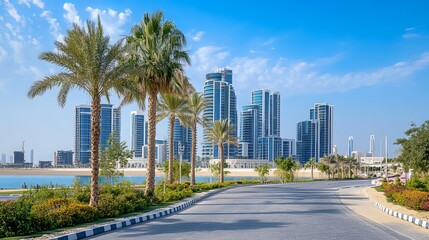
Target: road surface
x=277, y=211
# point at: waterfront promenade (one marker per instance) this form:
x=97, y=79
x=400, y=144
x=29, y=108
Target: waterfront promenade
x=281, y=211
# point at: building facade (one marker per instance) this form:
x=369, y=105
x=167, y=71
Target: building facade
x=249, y=131
x=269, y=148
x=18, y=157
x=110, y=121
x=62, y=158
x=221, y=104
x=160, y=152
x=182, y=135
x=288, y=148
x=137, y=133
x=350, y=146
x=305, y=141
x=323, y=116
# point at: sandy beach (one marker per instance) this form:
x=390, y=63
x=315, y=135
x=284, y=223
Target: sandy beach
x=242, y=172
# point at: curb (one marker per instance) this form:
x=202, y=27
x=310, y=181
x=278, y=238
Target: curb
x=137, y=219
x=403, y=216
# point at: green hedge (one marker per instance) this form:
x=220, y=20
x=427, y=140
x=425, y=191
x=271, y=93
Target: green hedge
x=400, y=194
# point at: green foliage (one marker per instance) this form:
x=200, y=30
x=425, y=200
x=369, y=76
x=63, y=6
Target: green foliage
x=173, y=192
x=119, y=199
x=186, y=170
x=215, y=169
x=417, y=184
x=285, y=168
x=415, y=148
x=15, y=218
x=58, y=213
x=262, y=171
x=116, y=154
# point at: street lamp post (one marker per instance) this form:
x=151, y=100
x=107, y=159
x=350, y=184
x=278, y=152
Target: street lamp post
x=181, y=149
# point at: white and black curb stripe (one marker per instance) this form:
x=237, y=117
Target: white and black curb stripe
x=402, y=216
x=137, y=219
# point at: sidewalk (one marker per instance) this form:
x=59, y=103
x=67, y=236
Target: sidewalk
x=356, y=200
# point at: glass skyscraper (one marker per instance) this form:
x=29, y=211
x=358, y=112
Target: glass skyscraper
x=350, y=146
x=323, y=115
x=288, y=148
x=269, y=141
x=110, y=121
x=137, y=133
x=221, y=104
x=183, y=135
x=249, y=131
x=305, y=141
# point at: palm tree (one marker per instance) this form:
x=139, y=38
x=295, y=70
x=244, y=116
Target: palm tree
x=172, y=106
x=90, y=64
x=156, y=49
x=311, y=164
x=220, y=133
x=196, y=105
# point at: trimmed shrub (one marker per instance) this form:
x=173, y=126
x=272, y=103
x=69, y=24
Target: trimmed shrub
x=57, y=213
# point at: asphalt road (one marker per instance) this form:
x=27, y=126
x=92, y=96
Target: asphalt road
x=4, y=197
x=280, y=211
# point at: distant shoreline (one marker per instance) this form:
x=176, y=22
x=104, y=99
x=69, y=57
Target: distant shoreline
x=234, y=172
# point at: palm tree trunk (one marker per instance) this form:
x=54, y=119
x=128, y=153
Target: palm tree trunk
x=95, y=142
x=150, y=175
x=311, y=172
x=171, y=152
x=221, y=162
x=193, y=152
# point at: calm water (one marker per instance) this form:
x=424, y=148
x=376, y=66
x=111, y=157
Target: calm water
x=16, y=181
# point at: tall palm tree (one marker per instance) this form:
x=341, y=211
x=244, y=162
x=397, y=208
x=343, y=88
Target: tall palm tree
x=172, y=106
x=196, y=105
x=221, y=133
x=311, y=164
x=90, y=64
x=156, y=49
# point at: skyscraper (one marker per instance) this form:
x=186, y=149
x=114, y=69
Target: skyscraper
x=268, y=124
x=182, y=135
x=371, y=145
x=323, y=116
x=32, y=156
x=221, y=104
x=18, y=157
x=305, y=141
x=350, y=146
x=110, y=121
x=137, y=133
x=3, y=159
x=249, y=131
x=274, y=127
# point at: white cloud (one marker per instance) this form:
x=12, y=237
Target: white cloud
x=410, y=35
x=198, y=36
x=410, y=29
x=3, y=54
x=38, y=3
x=13, y=29
x=54, y=26
x=17, y=49
x=111, y=19
x=209, y=57
x=268, y=42
x=12, y=11
x=32, y=71
x=302, y=77
x=71, y=14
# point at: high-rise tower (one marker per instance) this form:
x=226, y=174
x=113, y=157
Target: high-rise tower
x=182, y=135
x=110, y=121
x=323, y=116
x=350, y=146
x=137, y=133
x=249, y=131
x=221, y=104
x=305, y=141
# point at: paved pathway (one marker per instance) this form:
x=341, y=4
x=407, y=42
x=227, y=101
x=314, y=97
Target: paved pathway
x=281, y=211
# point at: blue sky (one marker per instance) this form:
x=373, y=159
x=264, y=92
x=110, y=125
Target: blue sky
x=370, y=59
